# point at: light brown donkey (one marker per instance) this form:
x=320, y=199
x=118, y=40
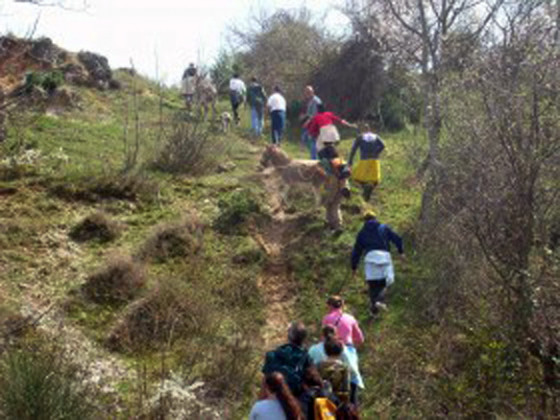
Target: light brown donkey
x=310, y=172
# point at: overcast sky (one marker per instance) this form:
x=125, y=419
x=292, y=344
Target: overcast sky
x=180, y=31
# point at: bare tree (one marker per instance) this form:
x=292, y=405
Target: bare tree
x=283, y=48
x=499, y=195
x=64, y=4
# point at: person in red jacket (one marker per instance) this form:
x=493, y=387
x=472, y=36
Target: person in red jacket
x=322, y=127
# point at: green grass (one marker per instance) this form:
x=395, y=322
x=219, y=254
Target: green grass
x=36, y=251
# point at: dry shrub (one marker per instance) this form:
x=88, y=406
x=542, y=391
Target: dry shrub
x=116, y=283
x=172, y=240
x=172, y=310
x=97, y=226
x=190, y=148
x=131, y=187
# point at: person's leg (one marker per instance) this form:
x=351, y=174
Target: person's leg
x=375, y=288
x=354, y=393
x=254, y=121
x=274, y=122
x=313, y=147
x=281, y=124
x=236, y=112
x=332, y=206
x=367, y=189
x=260, y=121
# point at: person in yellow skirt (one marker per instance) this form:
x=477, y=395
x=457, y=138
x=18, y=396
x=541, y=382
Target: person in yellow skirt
x=367, y=172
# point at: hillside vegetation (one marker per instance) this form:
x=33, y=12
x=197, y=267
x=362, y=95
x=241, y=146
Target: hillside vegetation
x=148, y=261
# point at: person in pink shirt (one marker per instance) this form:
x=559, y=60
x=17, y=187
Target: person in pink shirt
x=348, y=331
x=347, y=327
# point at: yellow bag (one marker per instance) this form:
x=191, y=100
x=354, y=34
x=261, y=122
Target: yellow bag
x=367, y=172
x=325, y=409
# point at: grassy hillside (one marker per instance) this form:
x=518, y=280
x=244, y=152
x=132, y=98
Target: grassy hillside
x=211, y=273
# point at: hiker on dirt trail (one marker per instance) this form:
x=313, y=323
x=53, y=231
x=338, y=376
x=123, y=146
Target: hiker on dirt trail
x=316, y=395
x=318, y=355
x=276, y=105
x=367, y=172
x=374, y=241
x=276, y=401
x=335, y=371
x=290, y=359
x=188, y=84
x=349, y=332
x=190, y=71
x=256, y=98
x=310, y=109
x=322, y=127
x=236, y=95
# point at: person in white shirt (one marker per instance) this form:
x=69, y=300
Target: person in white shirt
x=277, y=108
x=236, y=94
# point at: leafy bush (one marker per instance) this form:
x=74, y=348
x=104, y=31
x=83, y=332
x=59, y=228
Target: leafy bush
x=37, y=383
x=235, y=209
x=172, y=240
x=119, y=282
x=47, y=80
x=96, y=226
x=189, y=148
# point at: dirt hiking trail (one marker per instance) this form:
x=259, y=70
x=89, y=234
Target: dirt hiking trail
x=276, y=282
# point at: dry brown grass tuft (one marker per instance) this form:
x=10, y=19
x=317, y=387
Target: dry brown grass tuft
x=172, y=240
x=97, y=226
x=172, y=310
x=118, y=282
x=131, y=187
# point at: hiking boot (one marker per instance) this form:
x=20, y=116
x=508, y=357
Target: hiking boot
x=381, y=306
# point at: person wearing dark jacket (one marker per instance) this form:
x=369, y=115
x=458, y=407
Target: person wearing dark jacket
x=367, y=172
x=291, y=359
x=374, y=242
x=256, y=98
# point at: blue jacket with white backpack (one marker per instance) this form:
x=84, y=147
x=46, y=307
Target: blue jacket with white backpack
x=372, y=237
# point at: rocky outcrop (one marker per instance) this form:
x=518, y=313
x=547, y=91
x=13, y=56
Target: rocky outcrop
x=46, y=51
x=98, y=68
x=21, y=56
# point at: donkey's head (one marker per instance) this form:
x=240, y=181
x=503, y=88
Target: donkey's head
x=274, y=156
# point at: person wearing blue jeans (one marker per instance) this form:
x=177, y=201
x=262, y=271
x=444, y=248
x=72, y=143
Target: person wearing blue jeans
x=310, y=143
x=256, y=99
x=310, y=109
x=276, y=105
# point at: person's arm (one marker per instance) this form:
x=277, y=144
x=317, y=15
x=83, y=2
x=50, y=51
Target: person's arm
x=356, y=253
x=357, y=334
x=347, y=124
x=353, y=151
x=396, y=239
x=312, y=127
x=382, y=144
x=248, y=96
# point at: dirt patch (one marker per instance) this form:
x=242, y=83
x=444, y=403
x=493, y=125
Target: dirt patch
x=277, y=282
